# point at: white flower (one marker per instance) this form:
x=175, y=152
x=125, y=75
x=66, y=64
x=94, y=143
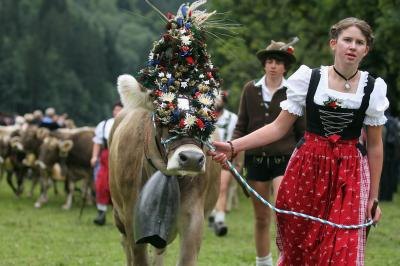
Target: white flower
x=215, y=92
x=151, y=55
x=183, y=84
x=182, y=31
x=161, y=74
x=167, y=97
x=189, y=120
x=186, y=40
x=201, y=76
x=205, y=100
x=207, y=82
x=169, y=75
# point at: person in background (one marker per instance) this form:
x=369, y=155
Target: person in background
x=330, y=175
x=49, y=120
x=226, y=124
x=259, y=106
x=100, y=157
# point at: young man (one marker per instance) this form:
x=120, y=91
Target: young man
x=259, y=105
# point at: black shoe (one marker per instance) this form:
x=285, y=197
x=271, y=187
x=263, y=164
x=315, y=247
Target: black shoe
x=220, y=229
x=101, y=218
x=211, y=221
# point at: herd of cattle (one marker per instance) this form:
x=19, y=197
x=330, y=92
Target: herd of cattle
x=28, y=151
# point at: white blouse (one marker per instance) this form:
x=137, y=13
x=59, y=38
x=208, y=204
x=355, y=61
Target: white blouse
x=298, y=82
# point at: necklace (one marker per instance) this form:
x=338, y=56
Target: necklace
x=347, y=86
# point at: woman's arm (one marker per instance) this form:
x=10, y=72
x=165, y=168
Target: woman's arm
x=375, y=159
x=267, y=134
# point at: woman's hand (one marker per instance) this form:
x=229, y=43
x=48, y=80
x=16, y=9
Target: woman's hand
x=378, y=213
x=221, y=153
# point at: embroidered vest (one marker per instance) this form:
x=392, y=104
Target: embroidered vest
x=329, y=119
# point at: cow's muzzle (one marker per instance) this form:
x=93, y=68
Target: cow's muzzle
x=187, y=159
x=191, y=160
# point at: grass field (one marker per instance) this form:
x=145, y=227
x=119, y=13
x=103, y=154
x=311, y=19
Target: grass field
x=52, y=236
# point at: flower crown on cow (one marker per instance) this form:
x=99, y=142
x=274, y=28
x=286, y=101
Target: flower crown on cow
x=184, y=82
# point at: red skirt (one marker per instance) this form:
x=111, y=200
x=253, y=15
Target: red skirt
x=102, y=186
x=326, y=178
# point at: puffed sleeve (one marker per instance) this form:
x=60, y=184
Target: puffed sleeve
x=297, y=86
x=98, y=133
x=378, y=103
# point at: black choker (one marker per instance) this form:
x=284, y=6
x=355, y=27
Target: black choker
x=347, y=86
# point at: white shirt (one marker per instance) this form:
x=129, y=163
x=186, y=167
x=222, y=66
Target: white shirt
x=226, y=125
x=100, y=133
x=266, y=93
x=298, y=83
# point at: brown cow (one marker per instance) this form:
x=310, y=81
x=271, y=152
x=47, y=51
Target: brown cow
x=65, y=155
x=135, y=156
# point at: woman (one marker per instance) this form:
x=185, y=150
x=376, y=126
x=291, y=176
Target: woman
x=328, y=175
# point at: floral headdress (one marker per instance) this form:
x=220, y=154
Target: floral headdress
x=180, y=73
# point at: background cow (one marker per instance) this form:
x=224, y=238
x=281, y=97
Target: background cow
x=65, y=155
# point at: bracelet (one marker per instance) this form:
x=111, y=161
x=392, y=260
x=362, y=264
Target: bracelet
x=233, y=154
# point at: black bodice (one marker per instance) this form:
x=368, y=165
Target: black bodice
x=329, y=119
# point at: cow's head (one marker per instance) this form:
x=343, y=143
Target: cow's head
x=179, y=86
x=52, y=151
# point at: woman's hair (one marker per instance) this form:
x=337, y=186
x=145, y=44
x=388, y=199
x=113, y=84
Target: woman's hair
x=364, y=27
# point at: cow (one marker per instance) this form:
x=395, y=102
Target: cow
x=11, y=157
x=136, y=154
x=65, y=156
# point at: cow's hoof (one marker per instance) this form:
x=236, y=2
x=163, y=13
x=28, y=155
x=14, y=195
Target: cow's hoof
x=220, y=229
x=100, y=219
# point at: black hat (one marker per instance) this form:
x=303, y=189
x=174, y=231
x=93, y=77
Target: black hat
x=281, y=49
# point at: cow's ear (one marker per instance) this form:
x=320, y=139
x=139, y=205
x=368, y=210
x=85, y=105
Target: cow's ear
x=132, y=93
x=42, y=133
x=65, y=145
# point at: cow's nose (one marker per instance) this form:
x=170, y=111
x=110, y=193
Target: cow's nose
x=191, y=160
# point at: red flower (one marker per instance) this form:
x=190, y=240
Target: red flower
x=209, y=75
x=196, y=95
x=333, y=104
x=185, y=48
x=170, y=15
x=200, y=123
x=182, y=123
x=290, y=50
x=171, y=105
x=158, y=93
x=189, y=60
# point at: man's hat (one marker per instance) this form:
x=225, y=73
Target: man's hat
x=281, y=49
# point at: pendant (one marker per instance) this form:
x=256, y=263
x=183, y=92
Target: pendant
x=347, y=86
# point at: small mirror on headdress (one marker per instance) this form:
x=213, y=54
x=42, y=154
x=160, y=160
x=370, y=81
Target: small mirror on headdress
x=183, y=103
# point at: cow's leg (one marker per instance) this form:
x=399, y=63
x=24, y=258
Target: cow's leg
x=10, y=181
x=35, y=179
x=43, y=193
x=71, y=188
x=159, y=256
x=191, y=230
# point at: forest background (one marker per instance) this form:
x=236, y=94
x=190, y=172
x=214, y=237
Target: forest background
x=69, y=53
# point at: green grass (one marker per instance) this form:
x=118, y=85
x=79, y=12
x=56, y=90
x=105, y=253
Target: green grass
x=52, y=236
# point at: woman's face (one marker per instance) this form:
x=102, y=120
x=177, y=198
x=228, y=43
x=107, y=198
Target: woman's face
x=274, y=68
x=350, y=47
